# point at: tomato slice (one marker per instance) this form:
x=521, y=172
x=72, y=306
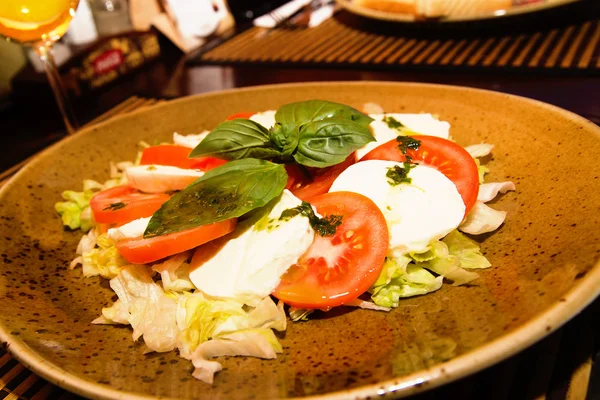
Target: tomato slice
x=339, y=268
x=240, y=115
x=322, y=180
x=143, y=251
x=177, y=156
x=122, y=204
x=446, y=156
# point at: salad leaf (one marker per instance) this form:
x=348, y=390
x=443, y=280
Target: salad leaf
x=198, y=317
x=265, y=315
x=299, y=314
x=489, y=191
x=104, y=260
x=482, y=219
x=75, y=211
x=253, y=343
x=328, y=142
x=481, y=170
x=400, y=279
x=479, y=150
x=450, y=267
x=294, y=115
x=233, y=140
x=367, y=305
x=117, y=314
x=151, y=312
x=175, y=273
x=228, y=191
x=315, y=133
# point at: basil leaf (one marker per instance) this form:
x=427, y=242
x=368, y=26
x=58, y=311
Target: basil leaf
x=295, y=114
x=284, y=140
x=228, y=191
x=330, y=141
x=233, y=140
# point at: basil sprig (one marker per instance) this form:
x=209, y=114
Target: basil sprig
x=228, y=191
x=314, y=133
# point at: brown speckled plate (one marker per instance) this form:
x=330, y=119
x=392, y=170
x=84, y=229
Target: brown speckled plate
x=544, y=259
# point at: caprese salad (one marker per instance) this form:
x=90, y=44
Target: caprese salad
x=314, y=205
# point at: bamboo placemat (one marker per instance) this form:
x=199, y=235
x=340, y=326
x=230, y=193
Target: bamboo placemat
x=338, y=44
x=560, y=367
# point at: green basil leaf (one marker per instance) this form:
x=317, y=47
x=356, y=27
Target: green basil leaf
x=233, y=140
x=284, y=140
x=295, y=114
x=228, y=191
x=330, y=141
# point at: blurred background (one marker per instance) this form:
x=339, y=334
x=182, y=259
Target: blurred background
x=108, y=51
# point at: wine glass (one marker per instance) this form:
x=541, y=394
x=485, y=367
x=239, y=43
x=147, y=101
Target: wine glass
x=40, y=23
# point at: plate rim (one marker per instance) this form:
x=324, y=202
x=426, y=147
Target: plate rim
x=572, y=303
x=409, y=18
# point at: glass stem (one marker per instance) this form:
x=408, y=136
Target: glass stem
x=44, y=51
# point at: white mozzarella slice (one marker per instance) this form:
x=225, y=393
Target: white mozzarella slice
x=427, y=209
x=424, y=124
x=160, y=178
x=190, y=141
x=265, y=118
x=131, y=230
x=249, y=262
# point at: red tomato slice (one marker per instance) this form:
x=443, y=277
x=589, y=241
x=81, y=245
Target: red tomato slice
x=337, y=269
x=123, y=204
x=142, y=251
x=240, y=115
x=177, y=156
x=446, y=156
x=322, y=180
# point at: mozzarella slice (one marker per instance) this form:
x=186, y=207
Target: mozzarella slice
x=424, y=124
x=131, y=230
x=190, y=141
x=427, y=209
x=248, y=263
x=160, y=178
x=265, y=118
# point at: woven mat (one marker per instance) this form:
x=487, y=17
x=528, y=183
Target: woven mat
x=560, y=367
x=335, y=43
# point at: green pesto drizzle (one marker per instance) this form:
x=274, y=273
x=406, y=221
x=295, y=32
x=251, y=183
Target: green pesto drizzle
x=397, y=174
x=325, y=226
x=406, y=143
x=114, y=206
x=392, y=122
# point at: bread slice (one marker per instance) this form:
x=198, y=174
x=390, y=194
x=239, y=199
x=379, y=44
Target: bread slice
x=391, y=6
x=437, y=8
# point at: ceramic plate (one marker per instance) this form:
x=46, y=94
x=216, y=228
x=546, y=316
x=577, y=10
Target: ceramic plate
x=460, y=10
x=544, y=259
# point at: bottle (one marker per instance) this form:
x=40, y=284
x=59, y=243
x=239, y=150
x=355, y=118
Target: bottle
x=111, y=16
x=82, y=29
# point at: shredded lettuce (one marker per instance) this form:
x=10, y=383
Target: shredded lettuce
x=467, y=251
x=265, y=315
x=198, y=317
x=104, y=260
x=75, y=210
x=367, y=305
x=299, y=314
x=489, y=191
x=143, y=304
x=175, y=273
x=482, y=219
x=252, y=342
x=400, y=279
